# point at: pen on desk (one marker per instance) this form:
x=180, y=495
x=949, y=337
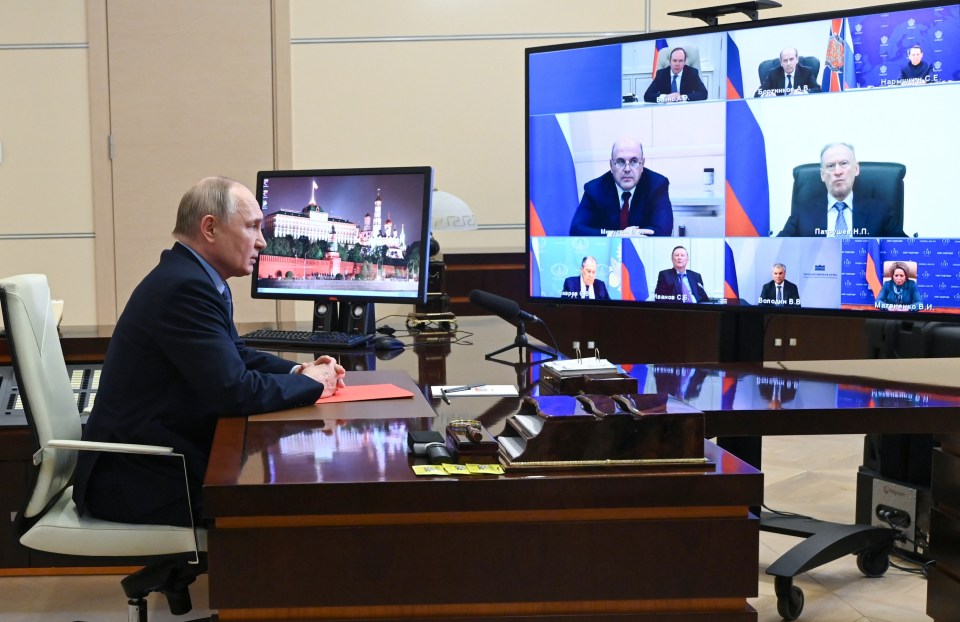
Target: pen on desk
x=466, y=387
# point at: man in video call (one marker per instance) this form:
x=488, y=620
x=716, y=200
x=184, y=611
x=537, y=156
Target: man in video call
x=916, y=69
x=677, y=284
x=586, y=286
x=677, y=83
x=837, y=212
x=779, y=292
x=790, y=78
x=629, y=201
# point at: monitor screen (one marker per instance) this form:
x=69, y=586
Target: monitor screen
x=795, y=165
x=349, y=235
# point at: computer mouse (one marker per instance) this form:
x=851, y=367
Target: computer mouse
x=386, y=342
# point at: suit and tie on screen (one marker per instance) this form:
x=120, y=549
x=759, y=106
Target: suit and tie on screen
x=628, y=201
x=838, y=211
x=676, y=83
x=790, y=77
x=677, y=284
x=779, y=291
x=586, y=286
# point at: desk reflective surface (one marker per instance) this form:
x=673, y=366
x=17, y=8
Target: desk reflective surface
x=737, y=399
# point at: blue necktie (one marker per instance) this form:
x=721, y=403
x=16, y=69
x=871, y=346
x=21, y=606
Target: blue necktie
x=685, y=288
x=841, y=229
x=673, y=87
x=228, y=297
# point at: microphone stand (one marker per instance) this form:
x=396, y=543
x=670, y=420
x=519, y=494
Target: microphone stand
x=520, y=342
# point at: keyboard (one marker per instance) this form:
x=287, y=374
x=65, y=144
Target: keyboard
x=271, y=338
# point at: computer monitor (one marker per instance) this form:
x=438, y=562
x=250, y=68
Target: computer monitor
x=731, y=176
x=345, y=239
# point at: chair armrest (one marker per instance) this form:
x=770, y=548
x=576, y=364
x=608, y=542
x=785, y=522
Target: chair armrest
x=129, y=448
x=124, y=448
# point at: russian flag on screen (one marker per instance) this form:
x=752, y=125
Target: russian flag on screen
x=874, y=267
x=634, y=274
x=731, y=290
x=661, y=43
x=838, y=70
x=553, y=181
x=534, y=268
x=747, y=189
x=734, y=75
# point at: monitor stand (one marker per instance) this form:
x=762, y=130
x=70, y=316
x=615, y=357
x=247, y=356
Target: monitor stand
x=344, y=316
x=741, y=340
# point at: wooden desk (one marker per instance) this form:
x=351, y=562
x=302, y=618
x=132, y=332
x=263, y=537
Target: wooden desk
x=326, y=520
x=739, y=400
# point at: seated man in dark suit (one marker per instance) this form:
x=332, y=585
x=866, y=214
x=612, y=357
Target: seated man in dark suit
x=628, y=201
x=916, y=71
x=676, y=83
x=779, y=292
x=175, y=364
x=790, y=78
x=837, y=213
x=586, y=286
x=677, y=284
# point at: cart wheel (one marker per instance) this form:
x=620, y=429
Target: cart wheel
x=789, y=598
x=873, y=563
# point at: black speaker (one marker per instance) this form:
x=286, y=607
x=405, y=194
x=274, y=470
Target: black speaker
x=357, y=318
x=324, y=316
x=437, y=300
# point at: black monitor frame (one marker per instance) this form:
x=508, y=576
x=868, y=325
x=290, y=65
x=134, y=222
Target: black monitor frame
x=729, y=307
x=344, y=198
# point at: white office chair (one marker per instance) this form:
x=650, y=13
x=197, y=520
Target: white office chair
x=49, y=521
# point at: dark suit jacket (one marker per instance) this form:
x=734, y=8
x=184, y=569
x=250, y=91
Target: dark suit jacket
x=690, y=85
x=571, y=288
x=174, y=365
x=669, y=289
x=768, y=295
x=918, y=72
x=599, y=209
x=776, y=80
x=871, y=219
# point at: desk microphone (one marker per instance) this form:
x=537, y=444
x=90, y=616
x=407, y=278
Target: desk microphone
x=503, y=307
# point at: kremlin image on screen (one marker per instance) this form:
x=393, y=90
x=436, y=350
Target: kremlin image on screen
x=342, y=235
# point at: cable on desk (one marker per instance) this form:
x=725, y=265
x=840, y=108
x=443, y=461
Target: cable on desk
x=788, y=514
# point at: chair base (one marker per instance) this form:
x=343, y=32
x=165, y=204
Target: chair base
x=137, y=611
x=171, y=576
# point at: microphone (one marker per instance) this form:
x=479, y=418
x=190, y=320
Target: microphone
x=503, y=307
